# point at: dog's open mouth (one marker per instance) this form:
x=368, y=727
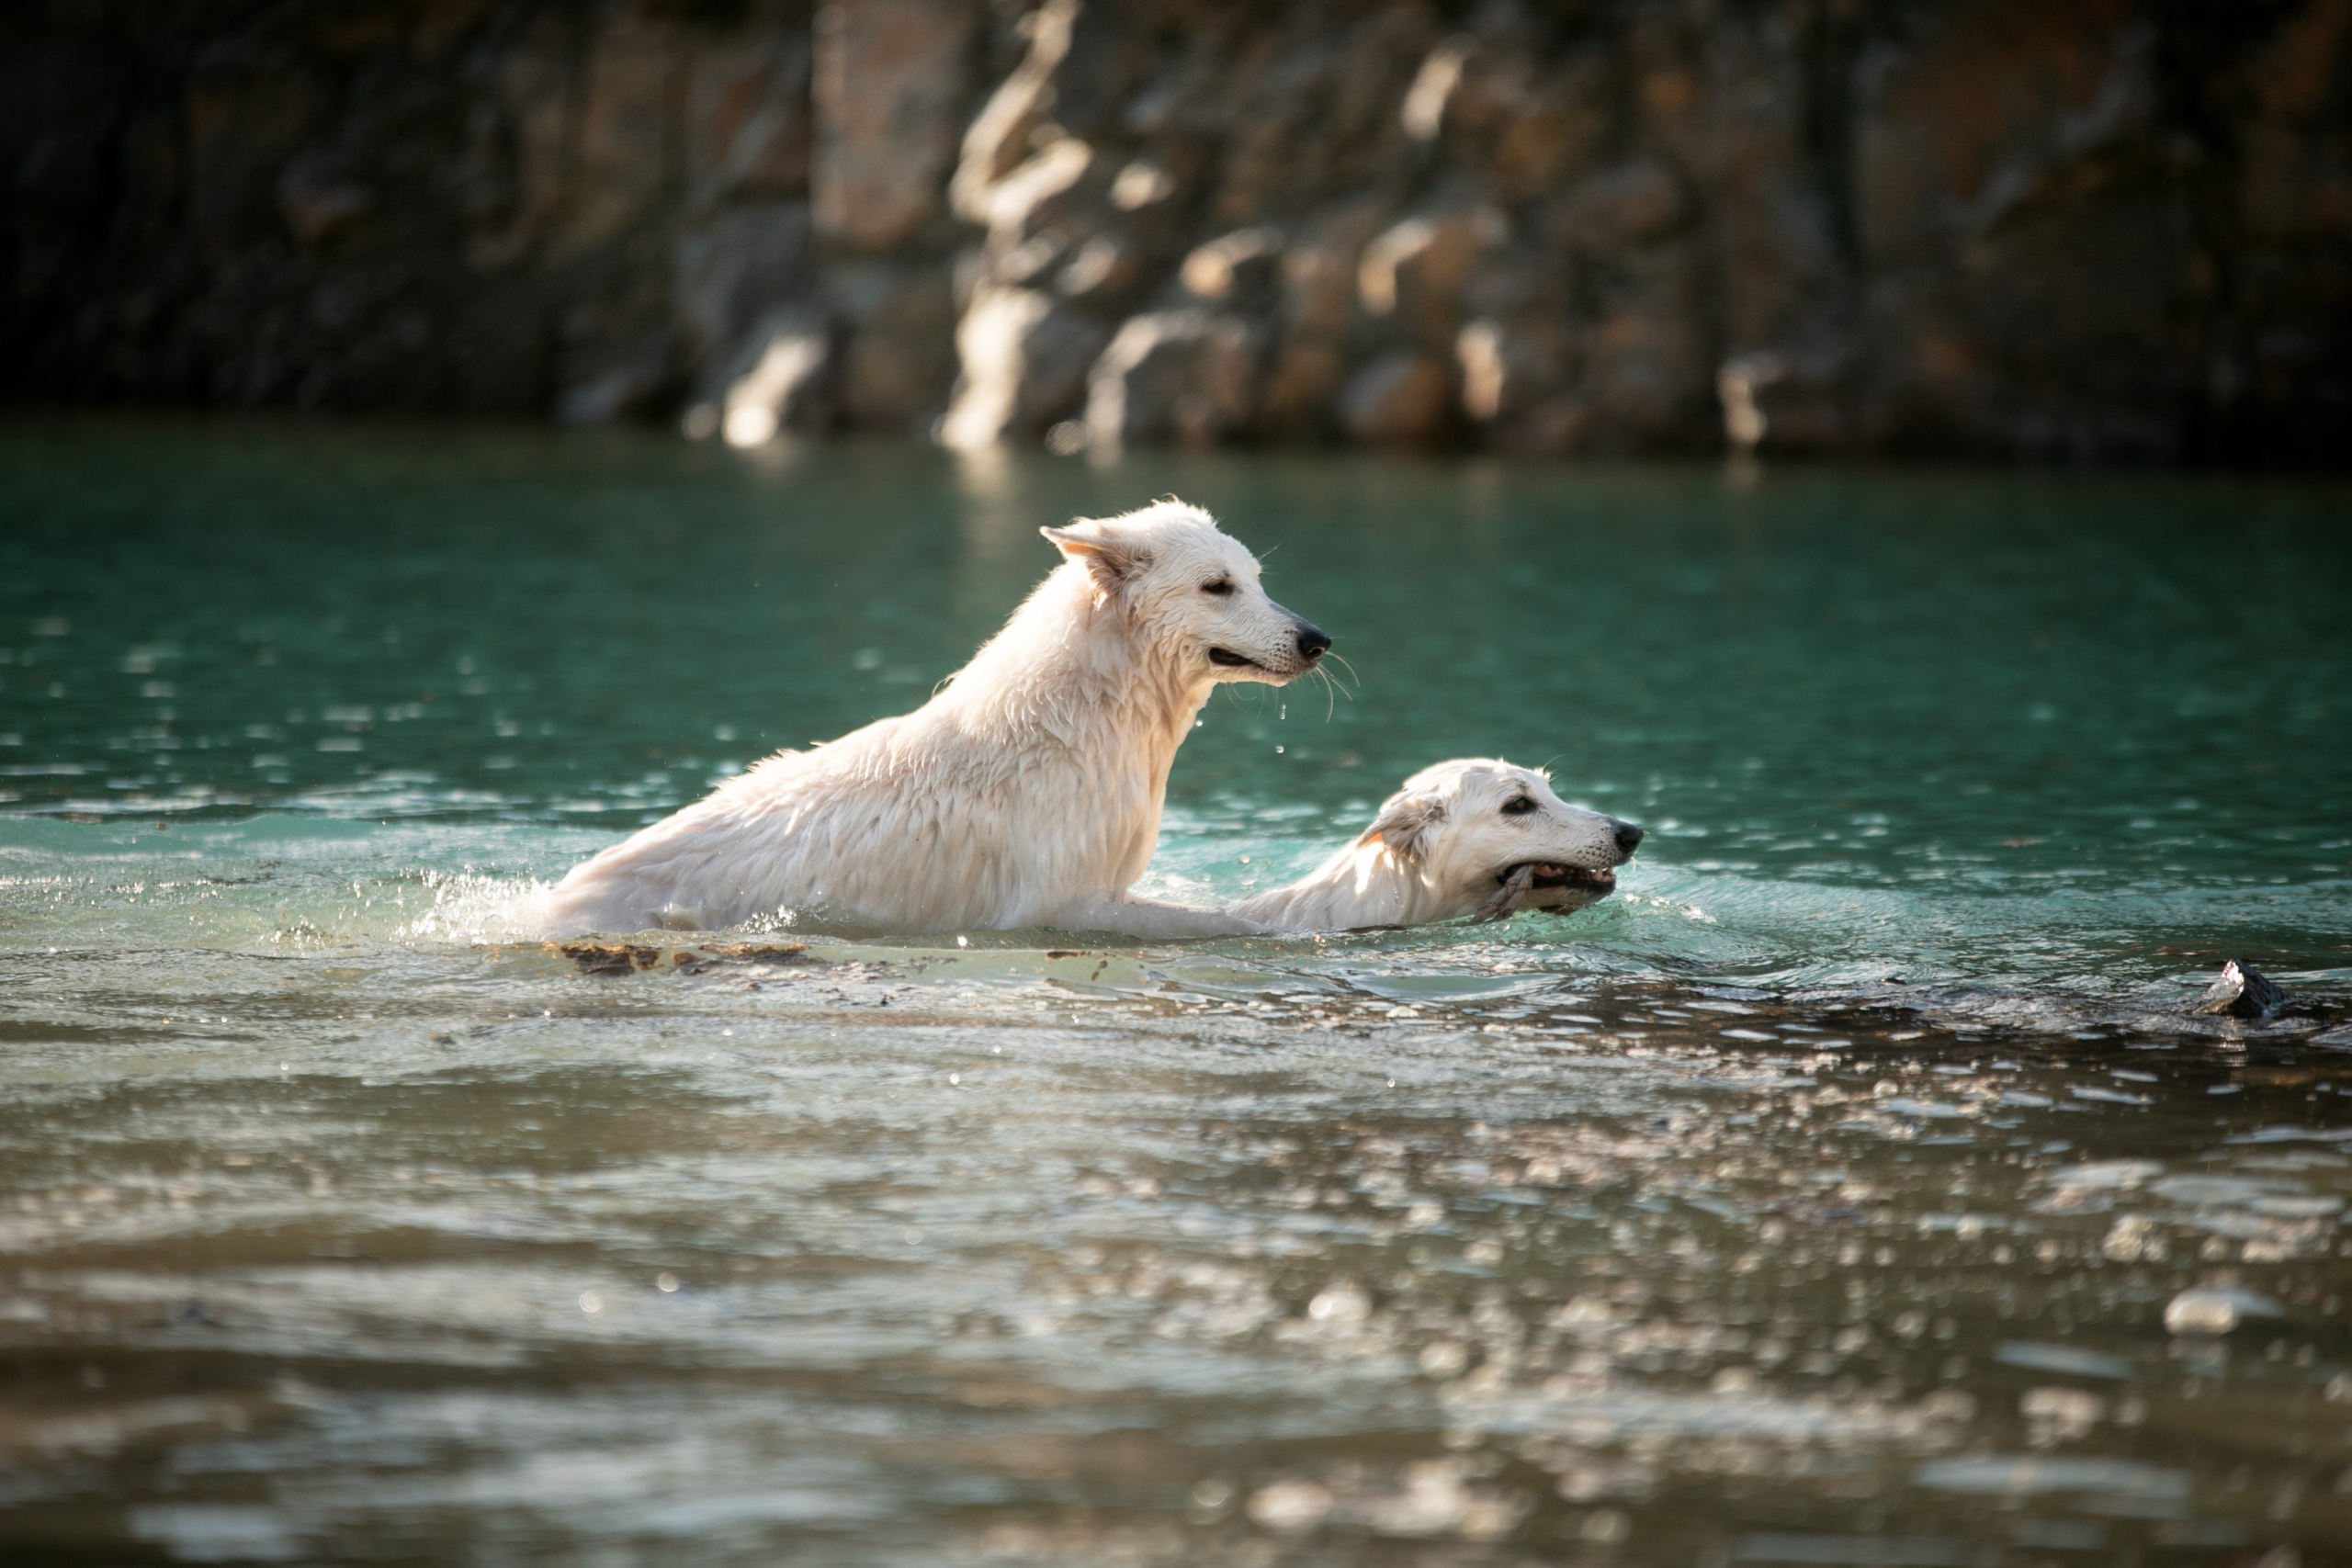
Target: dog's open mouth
x=1231, y=660
x=1550, y=876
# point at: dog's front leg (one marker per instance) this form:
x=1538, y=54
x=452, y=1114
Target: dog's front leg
x=1149, y=919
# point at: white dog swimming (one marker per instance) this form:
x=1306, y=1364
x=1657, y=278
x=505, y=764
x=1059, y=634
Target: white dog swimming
x=1026, y=794
x=1473, y=836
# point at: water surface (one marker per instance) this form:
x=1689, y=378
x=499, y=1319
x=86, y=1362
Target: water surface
x=1818, y=1198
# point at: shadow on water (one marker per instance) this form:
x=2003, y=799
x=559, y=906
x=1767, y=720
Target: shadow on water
x=1852, y=1188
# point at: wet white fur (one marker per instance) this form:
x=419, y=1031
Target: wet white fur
x=1027, y=792
x=1437, y=850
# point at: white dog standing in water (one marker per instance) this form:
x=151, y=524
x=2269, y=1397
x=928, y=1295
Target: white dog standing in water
x=1473, y=837
x=1026, y=794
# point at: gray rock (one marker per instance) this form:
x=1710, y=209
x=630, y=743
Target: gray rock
x=1188, y=376
x=2241, y=991
x=1402, y=399
x=892, y=88
x=1237, y=270
x=1000, y=136
x=734, y=269
x=1024, y=355
x=616, y=394
x=1506, y=368
x=782, y=376
x=748, y=120
x=1961, y=230
x=1629, y=205
x=899, y=359
x=1413, y=273
x=321, y=206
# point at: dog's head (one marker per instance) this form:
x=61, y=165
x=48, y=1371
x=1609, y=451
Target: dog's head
x=1463, y=827
x=1192, y=592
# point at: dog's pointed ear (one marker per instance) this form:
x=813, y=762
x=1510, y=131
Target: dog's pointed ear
x=1404, y=825
x=1109, y=559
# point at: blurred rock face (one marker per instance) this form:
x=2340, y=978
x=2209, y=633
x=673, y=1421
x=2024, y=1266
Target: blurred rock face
x=2103, y=229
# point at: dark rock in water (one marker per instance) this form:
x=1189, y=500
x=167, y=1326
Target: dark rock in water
x=710, y=955
x=623, y=957
x=2242, y=991
x=607, y=957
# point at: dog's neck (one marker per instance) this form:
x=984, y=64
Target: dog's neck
x=1077, y=671
x=1363, y=885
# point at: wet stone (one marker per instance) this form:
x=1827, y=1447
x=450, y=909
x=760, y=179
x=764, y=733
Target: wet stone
x=623, y=958
x=2242, y=991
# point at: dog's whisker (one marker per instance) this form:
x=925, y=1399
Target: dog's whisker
x=1317, y=672
x=1333, y=692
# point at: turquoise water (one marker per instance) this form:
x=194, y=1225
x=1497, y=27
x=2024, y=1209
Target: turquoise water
x=1817, y=1198
x=2026, y=730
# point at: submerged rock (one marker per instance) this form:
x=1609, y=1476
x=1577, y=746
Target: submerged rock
x=610, y=957
x=625, y=957
x=2241, y=991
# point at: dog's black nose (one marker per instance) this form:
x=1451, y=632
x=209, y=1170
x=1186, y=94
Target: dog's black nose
x=1311, y=642
x=1628, y=836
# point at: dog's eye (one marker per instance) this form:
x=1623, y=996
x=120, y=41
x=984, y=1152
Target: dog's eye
x=1221, y=587
x=1518, y=806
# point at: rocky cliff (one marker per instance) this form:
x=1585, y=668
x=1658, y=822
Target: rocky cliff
x=2100, y=229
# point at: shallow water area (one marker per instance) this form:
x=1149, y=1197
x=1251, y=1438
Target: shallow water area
x=1850, y=1187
